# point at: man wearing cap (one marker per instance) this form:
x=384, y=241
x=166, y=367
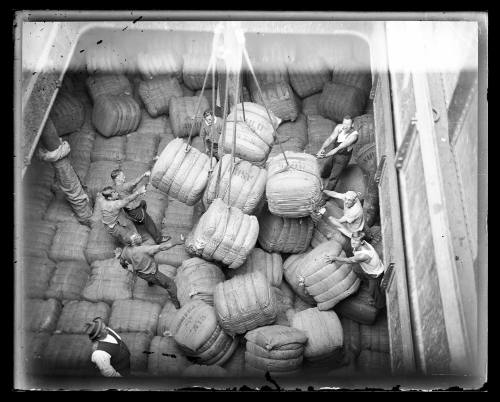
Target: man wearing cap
x=110, y=354
x=367, y=265
x=113, y=216
x=139, y=259
x=343, y=137
x=353, y=219
x=211, y=129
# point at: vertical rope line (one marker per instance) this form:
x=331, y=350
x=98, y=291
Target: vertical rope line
x=221, y=148
x=236, y=96
x=213, y=114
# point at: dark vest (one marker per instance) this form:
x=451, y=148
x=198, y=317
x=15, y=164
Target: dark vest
x=337, y=143
x=120, y=355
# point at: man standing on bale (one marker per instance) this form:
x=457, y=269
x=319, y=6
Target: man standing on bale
x=211, y=130
x=140, y=260
x=110, y=354
x=343, y=138
x=367, y=265
x=135, y=210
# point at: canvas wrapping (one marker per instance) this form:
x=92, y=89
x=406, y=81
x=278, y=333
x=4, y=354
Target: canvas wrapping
x=134, y=316
x=41, y=315
x=270, y=264
x=69, y=242
x=157, y=92
x=37, y=273
x=68, y=280
x=338, y=100
x=75, y=314
x=183, y=116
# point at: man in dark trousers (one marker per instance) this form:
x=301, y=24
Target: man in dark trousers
x=210, y=132
x=110, y=354
x=343, y=137
x=139, y=259
x=136, y=210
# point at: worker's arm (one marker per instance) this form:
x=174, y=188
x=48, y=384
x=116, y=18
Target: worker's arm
x=333, y=136
x=152, y=250
x=347, y=143
x=129, y=198
x=352, y=260
x=334, y=194
x=103, y=361
x=131, y=185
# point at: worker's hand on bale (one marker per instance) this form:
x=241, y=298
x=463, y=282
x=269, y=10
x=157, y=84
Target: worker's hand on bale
x=142, y=190
x=147, y=174
x=321, y=154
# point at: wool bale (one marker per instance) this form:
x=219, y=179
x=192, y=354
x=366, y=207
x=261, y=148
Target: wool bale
x=323, y=330
x=300, y=305
x=81, y=143
x=183, y=116
x=99, y=176
x=69, y=242
x=108, y=282
x=376, y=337
x=338, y=100
x=39, y=172
x=223, y=234
x=284, y=235
x=276, y=342
x=198, y=334
x=134, y=316
x=153, y=294
x=159, y=62
x=155, y=126
x=196, y=279
x=41, y=315
x=38, y=238
x=37, y=272
x=167, y=316
x=308, y=74
x=138, y=344
x=157, y=92
x=287, y=293
x=373, y=362
x=108, y=149
x=68, y=280
x=165, y=357
x=182, y=175
x=34, y=346
x=68, y=355
x=60, y=210
x=186, y=91
x=270, y=264
x=247, y=184
x=75, y=314
x=244, y=303
x=67, y=113
x=283, y=305
x=106, y=58
x=254, y=134
x=201, y=371
x=36, y=202
x=235, y=365
x=194, y=68
x=295, y=131
x=354, y=76
x=107, y=84
x=352, y=336
x=115, y=115
x=325, y=230
x=359, y=307
x=310, y=105
x=278, y=98
x=292, y=268
x=293, y=190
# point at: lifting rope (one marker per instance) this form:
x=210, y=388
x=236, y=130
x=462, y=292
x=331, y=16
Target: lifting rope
x=223, y=135
x=236, y=97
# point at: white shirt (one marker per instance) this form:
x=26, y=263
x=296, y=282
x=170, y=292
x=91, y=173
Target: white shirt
x=103, y=359
x=343, y=134
x=373, y=267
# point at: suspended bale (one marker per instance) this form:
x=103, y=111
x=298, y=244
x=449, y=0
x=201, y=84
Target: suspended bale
x=247, y=183
x=200, y=371
x=108, y=149
x=37, y=273
x=41, y=315
x=99, y=176
x=292, y=268
x=141, y=148
x=196, y=279
x=359, y=307
x=108, y=282
x=134, y=316
x=310, y=105
x=284, y=235
x=270, y=264
x=75, y=314
x=195, y=67
x=116, y=115
x=324, y=334
x=352, y=336
x=165, y=357
x=278, y=97
x=326, y=281
x=69, y=242
x=376, y=337
x=338, y=100
x=235, y=366
x=374, y=362
x=325, y=230
x=182, y=175
x=293, y=191
x=165, y=320
x=138, y=344
x=157, y=92
x=154, y=126
x=100, y=244
x=223, y=234
x=308, y=75
x=68, y=355
x=354, y=76
x=68, y=280
x=159, y=62
x=198, y=334
x=254, y=135
x=182, y=112
x=67, y=113
x=244, y=303
x=108, y=84
x=38, y=238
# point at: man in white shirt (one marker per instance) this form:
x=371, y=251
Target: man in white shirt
x=353, y=219
x=110, y=354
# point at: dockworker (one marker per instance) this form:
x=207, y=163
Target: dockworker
x=367, y=265
x=211, y=130
x=136, y=210
x=139, y=259
x=343, y=137
x=110, y=354
x=353, y=219
x=114, y=218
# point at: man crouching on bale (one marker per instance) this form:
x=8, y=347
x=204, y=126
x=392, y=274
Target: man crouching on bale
x=140, y=260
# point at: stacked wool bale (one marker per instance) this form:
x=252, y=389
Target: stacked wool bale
x=224, y=234
x=165, y=358
x=310, y=105
x=293, y=189
x=75, y=314
x=196, y=279
x=138, y=344
x=37, y=272
x=292, y=136
x=292, y=271
x=41, y=315
x=38, y=238
x=60, y=210
x=134, y=316
x=156, y=94
x=352, y=337
x=156, y=126
x=284, y=235
x=81, y=143
x=245, y=186
x=276, y=349
x=99, y=176
x=68, y=280
x=278, y=97
x=308, y=73
x=180, y=174
x=199, y=336
x=339, y=100
x=183, y=115
x=109, y=149
x=34, y=346
x=270, y=264
x=69, y=242
x=37, y=192
x=141, y=147
x=164, y=61
x=284, y=305
x=68, y=355
x=245, y=302
x=375, y=350
x=67, y=114
x=355, y=75
x=108, y=84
